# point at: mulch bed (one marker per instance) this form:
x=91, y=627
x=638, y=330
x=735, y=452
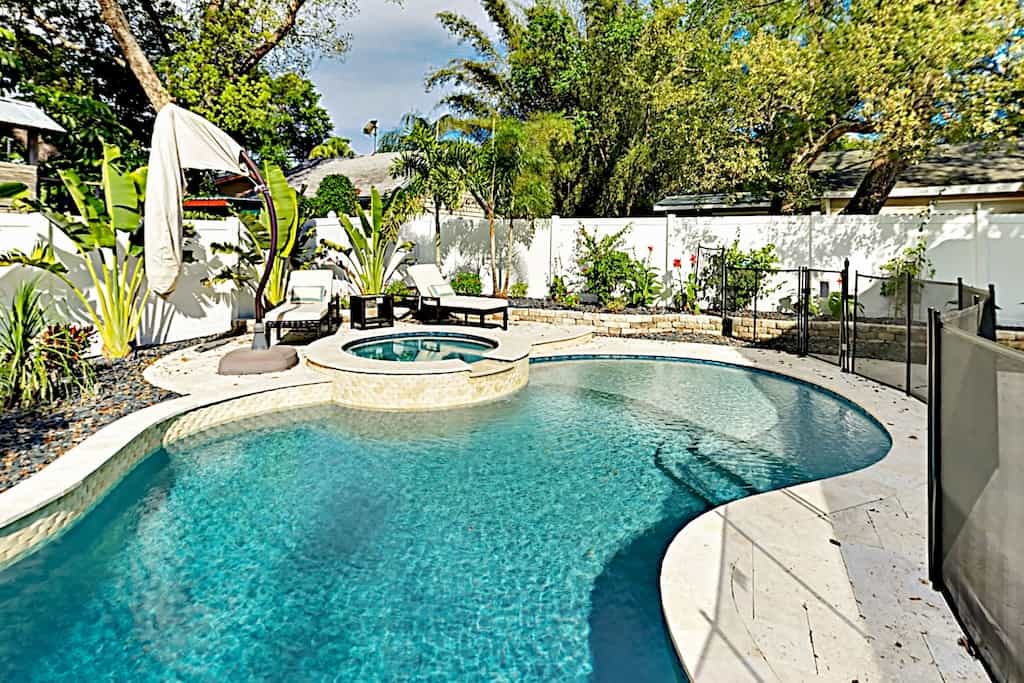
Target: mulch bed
x=549, y=304
x=31, y=439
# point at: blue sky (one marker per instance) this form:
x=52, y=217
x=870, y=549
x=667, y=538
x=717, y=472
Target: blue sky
x=381, y=77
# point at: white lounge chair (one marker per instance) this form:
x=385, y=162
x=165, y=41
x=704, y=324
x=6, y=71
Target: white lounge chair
x=437, y=295
x=311, y=302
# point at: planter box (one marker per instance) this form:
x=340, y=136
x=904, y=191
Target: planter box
x=376, y=310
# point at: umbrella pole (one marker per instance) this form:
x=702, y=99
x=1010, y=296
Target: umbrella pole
x=259, y=340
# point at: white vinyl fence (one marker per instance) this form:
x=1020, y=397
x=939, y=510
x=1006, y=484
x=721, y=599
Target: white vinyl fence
x=193, y=310
x=980, y=247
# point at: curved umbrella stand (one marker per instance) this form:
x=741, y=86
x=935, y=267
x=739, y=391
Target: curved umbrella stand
x=259, y=340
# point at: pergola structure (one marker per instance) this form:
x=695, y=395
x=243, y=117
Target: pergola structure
x=24, y=122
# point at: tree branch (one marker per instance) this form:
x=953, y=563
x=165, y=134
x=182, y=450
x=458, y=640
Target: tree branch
x=113, y=16
x=811, y=153
x=263, y=49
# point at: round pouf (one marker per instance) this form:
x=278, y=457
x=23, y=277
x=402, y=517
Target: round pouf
x=250, y=362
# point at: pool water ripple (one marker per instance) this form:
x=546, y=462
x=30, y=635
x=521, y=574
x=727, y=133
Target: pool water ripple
x=518, y=540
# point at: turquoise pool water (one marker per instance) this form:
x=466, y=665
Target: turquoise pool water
x=410, y=348
x=519, y=540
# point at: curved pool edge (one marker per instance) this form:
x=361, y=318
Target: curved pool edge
x=40, y=508
x=817, y=580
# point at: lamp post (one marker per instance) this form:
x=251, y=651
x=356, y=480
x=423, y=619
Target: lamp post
x=371, y=129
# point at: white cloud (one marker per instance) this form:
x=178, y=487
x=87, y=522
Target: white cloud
x=393, y=47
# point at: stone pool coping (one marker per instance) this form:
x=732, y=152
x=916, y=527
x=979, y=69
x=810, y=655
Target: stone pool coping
x=825, y=580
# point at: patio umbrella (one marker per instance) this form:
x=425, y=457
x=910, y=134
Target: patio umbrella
x=182, y=139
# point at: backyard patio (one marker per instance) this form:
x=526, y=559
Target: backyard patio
x=667, y=342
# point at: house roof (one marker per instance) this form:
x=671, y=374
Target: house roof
x=370, y=170
x=21, y=114
x=974, y=168
x=709, y=202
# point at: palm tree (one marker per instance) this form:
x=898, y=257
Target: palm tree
x=333, y=148
x=437, y=166
x=483, y=80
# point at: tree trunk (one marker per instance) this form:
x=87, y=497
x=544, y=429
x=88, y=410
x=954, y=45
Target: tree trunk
x=113, y=16
x=508, y=257
x=494, y=251
x=437, y=233
x=876, y=185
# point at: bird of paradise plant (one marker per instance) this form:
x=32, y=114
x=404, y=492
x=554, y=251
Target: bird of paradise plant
x=252, y=252
x=373, y=255
x=107, y=234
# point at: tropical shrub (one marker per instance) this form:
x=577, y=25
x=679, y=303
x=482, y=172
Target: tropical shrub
x=107, y=235
x=616, y=305
x=398, y=288
x=644, y=283
x=39, y=362
x=558, y=290
x=518, y=290
x=685, y=296
x=746, y=275
x=467, y=283
x=336, y=193
x=604, y=267
x=912, y=262
x=374, y=255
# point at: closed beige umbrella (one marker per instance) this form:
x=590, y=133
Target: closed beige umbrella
x=181, y=140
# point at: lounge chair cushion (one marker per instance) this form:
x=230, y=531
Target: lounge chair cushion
x=295, y=312
x=307, y=294
x=475, y=303
x=444, y=289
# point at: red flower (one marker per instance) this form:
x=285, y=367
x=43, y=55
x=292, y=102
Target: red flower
x=650, y=247
x=677, y=263
x=693, y=259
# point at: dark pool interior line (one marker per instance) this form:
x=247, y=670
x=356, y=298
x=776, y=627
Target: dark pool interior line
x=523, y=537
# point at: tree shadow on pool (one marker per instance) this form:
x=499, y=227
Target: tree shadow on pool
x=628, y=638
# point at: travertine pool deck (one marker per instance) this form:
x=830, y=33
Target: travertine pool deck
x=820, y=581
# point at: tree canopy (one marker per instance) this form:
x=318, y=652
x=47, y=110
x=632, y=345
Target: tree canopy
x=106, y=67
x=728, y=96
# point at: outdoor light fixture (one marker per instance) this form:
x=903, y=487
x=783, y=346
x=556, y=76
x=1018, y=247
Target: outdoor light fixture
x=371, y=129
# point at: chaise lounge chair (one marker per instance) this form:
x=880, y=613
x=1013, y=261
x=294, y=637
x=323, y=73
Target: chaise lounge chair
x=438, y=297
x=310, y=304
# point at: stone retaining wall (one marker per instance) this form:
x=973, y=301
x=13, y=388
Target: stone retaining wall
x=874, y=340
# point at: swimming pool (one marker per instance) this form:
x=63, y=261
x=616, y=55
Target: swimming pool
x=422, y=347
x=520, y=538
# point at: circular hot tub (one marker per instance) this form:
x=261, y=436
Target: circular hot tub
x=412, y=367
x=414, y=347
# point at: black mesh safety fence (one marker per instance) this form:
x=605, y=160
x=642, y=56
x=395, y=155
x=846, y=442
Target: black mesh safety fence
x=709, y=264
x=976, y=476
x=889, y=337
x=765, y=305
x=827, y=333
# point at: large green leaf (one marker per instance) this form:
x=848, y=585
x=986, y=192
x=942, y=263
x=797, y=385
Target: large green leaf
x=120, y=192
x=12, y=190
x=41, y=257
x=287, y=206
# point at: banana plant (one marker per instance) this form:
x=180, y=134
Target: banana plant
x=251, y=253
x=373, y=254
x=107, y=234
